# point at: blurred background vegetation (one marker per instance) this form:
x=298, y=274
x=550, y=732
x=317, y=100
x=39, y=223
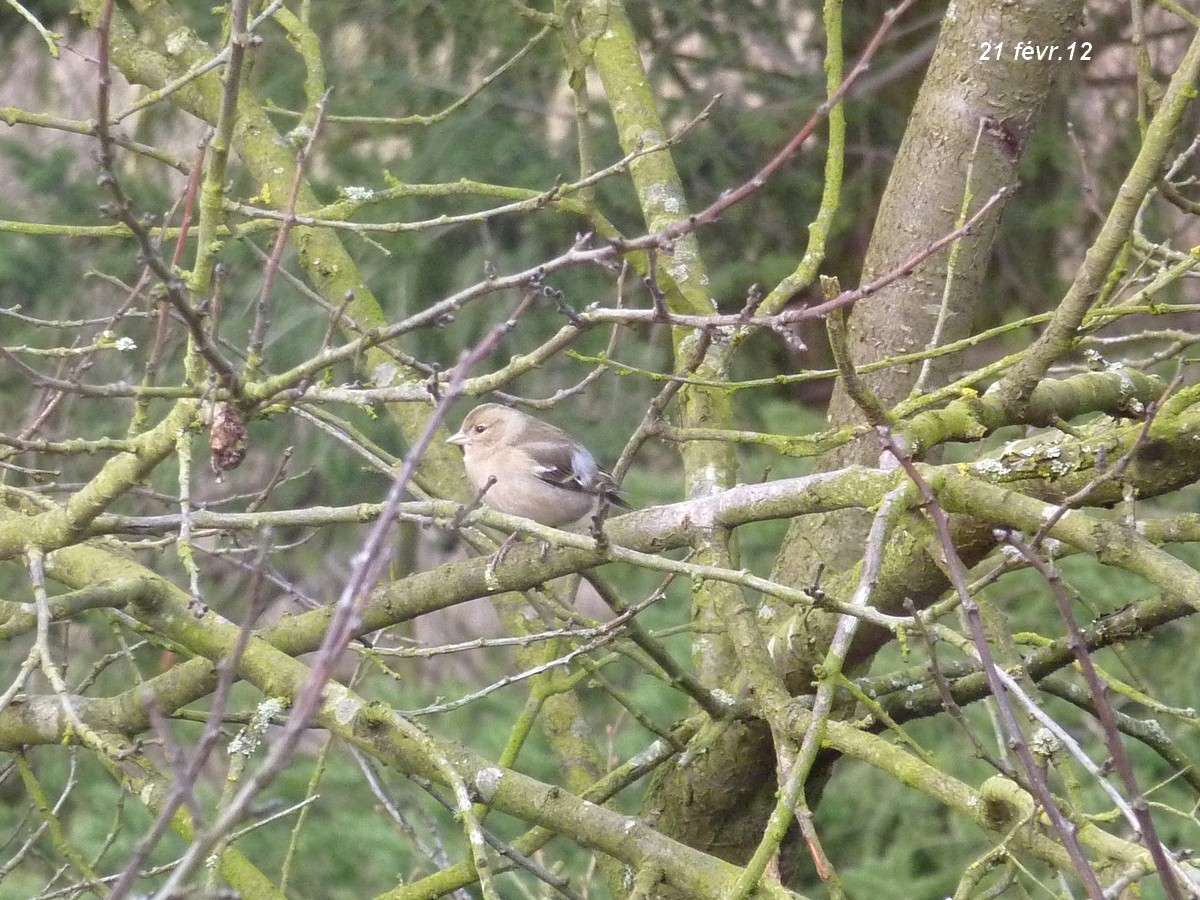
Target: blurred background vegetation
x=395, y=57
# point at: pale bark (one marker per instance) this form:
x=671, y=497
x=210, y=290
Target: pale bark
x=922, y=202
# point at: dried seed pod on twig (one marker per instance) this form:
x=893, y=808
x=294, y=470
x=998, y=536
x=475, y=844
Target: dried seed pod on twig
x=227, y=438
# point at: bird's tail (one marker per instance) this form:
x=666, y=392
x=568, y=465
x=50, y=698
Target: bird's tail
x=611, y=493
x=614, y=498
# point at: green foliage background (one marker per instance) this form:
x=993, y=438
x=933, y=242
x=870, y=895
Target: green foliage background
x=393, y=58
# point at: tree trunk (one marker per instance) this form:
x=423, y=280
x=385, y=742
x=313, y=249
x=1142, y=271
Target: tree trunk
x=719, y=802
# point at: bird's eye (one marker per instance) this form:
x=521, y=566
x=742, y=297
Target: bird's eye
x=479, y=429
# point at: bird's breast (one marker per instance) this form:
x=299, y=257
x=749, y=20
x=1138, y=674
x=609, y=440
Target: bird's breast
x=518, y=492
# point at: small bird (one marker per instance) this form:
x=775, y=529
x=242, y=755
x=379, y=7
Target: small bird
x=540, y=471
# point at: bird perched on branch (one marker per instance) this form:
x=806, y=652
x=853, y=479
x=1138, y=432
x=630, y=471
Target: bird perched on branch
x=540, y=471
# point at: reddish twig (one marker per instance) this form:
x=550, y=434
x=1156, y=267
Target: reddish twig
x=957, y=572
x=731, y=198
x=262, y=312
x=1104, y=712
x=181, y=787
x=174, y=287
x=370, y=563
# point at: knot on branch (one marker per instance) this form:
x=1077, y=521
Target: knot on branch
x=487, y=783
x=1004, y=802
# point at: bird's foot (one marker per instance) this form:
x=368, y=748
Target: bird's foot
x=498, y=556
x=597, y=523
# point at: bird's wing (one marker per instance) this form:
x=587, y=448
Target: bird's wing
x=567, y=464
x=564, y=464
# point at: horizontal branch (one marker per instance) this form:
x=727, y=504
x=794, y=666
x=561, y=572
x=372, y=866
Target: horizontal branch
x=379, y=730
x=653, y=531
x=1118, y=391
x=61, y=526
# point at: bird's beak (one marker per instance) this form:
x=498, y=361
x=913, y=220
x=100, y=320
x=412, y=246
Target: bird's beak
x=457, y=438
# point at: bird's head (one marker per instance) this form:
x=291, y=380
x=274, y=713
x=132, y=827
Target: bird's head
x=486, y=427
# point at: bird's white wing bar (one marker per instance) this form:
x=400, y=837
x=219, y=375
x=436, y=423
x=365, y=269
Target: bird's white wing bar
x=567, y=465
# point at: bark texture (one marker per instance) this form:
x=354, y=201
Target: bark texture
x=707, y=805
